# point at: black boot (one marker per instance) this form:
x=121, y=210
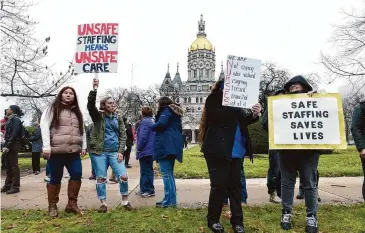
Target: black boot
x=4, y=189
x=217, y=228
x=13, y=190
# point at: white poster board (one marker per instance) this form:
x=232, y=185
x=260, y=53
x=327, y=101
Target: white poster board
x=96, y=48
x=301, y=122
x=242, y=82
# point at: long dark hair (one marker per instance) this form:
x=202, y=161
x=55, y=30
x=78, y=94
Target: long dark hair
x=57, y=106
x=203, y=121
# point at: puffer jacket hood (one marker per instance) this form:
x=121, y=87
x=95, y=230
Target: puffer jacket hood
x=176, y=109
x=301, y=80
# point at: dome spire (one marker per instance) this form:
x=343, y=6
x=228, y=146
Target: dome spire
x=201, y=27
x=221, y=75
x=168, y=67
x=177, y=71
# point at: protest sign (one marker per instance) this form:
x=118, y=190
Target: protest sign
x=297, y=121
x=242, y=82
x=96, y=48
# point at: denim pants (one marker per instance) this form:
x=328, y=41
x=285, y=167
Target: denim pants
x=306, y=162
x=273, y=174
x=146, y=175
x=100, y=164
x=167, y=171
x=57, y=162
x=244, y=194
x=363, y=170
x=92, y=169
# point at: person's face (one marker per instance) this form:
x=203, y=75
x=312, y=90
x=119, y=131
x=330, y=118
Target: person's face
x=68, y=96
x=296, y=87
x=9, y=112
x=110, y=106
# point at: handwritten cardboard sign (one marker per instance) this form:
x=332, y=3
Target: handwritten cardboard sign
x=298, y=121
x=242, y=82
x=96, y=48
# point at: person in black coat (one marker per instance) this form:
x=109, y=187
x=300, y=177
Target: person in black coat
x=11, y=149
x=129, y=143
x=225, y=141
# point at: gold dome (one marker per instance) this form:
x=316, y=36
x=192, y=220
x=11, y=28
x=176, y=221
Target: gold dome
x=201, y=43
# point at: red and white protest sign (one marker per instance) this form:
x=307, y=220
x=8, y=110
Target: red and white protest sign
x=96, y=48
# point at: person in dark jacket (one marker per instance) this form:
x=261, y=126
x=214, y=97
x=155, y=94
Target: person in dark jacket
x=145, y=138
x=129, y=143
x=168, y=146
x=273, y=173
x=11, y=149
x=37, y=145
x=303, y=161
x=225, y=141
x=358, y=132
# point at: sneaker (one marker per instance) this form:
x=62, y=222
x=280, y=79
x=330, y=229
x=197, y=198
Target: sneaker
x=312, y=225
x=238, y=229
x=46, y=179
x=159, y=204
x=92, y=178
x=4, y=189
x=13, y=190
x=128, y=207
x=103, y=209
x=36, y=173
x=286, y=221
x=148, y=194
x=138, y=193
x=128, y=166
x=217, y=228
x=274, y=198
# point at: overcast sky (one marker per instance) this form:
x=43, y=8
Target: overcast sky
x=154, y=33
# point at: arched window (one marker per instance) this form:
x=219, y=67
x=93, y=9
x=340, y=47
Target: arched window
x=197, y=100
x=195, y=73
x=201, y=99
x=189, y=100
x=185, y=100
x=207, y=73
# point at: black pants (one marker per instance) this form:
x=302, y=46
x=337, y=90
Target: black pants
x=3, y=162
x=12, y=168
x=36, y=161
x=223, y=174
x=127, y=155
x=363, y=170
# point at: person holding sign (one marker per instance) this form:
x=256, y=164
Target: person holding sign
x=358, y=132
x=303, y=161
x=107, y=143
x=225, y=141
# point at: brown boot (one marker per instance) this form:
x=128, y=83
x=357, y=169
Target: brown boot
x=53, y=198
x=73, y=193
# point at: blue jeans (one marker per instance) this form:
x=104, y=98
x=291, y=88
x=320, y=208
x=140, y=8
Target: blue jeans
x=92, y=169
x=244, y=194
x=306, y=162
x=57, y=162
x=146, y=175
x=273, y=174
x=100, y=164
x=363, y=170
x=167, y=171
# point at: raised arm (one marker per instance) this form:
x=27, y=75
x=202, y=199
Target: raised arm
x=91, y=103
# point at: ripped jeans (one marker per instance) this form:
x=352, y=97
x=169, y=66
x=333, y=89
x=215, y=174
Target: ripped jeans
x=100, y=164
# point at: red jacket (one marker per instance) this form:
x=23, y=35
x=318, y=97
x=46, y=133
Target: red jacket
x=3, y=124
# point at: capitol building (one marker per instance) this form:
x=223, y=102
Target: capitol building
x=192, y=93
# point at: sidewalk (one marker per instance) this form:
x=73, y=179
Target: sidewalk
x=191, y=193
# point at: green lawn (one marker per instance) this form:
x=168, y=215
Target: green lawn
x=333, y=219
x=340, y=163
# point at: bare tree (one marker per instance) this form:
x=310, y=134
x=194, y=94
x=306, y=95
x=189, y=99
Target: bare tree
x=349, y=61
x=23, y=73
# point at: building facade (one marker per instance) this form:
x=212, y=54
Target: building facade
x=192, y=93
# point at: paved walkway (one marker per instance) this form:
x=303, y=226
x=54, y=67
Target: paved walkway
x=191, y=193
